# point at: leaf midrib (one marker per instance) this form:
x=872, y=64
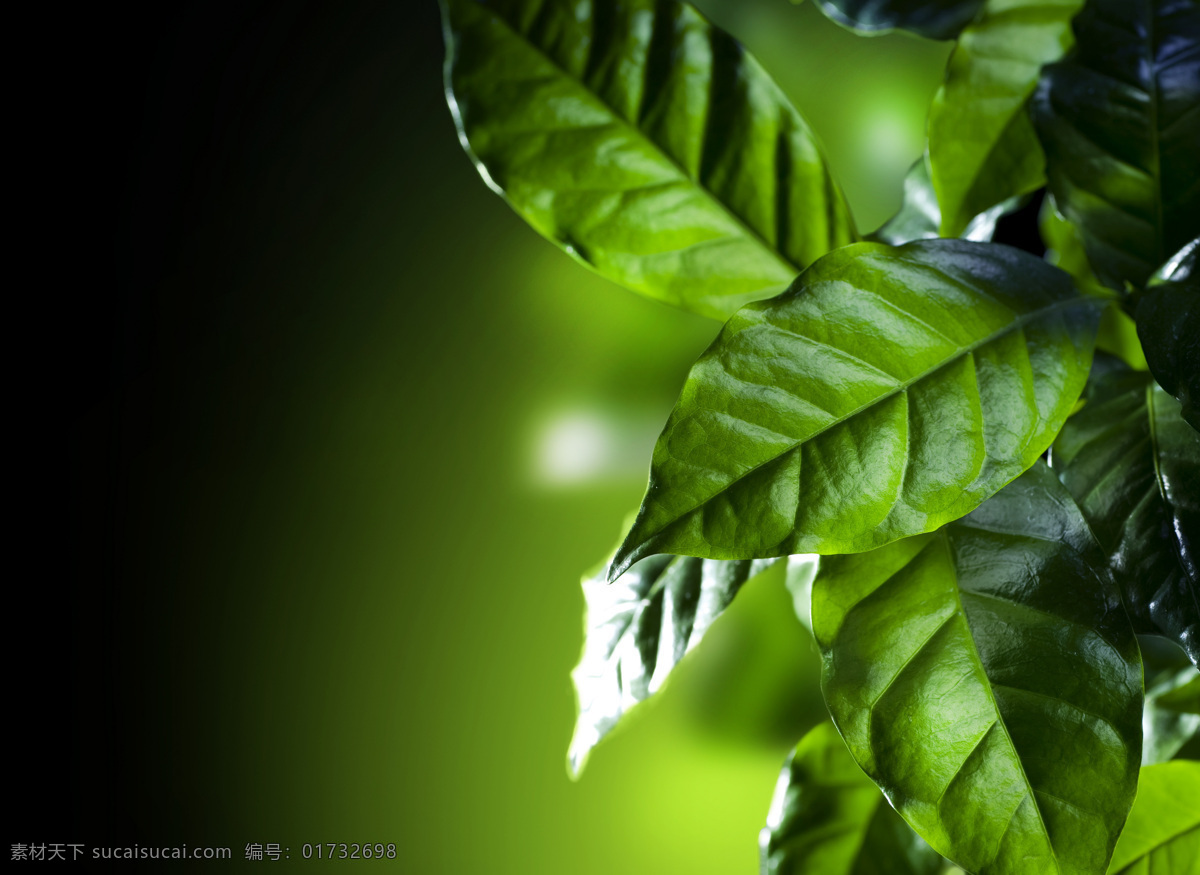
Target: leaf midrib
x=1018, y=323
x=1000, y=722
x=744, y=224
x=1172, y=838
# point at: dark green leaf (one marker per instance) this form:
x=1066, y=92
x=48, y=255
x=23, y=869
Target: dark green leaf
x=982, y=146
x=919, y=216
x=644, y=141
x=1168, y=323
x=1163, y=832
x=1133, y=466
x=890, y=391
x=828, y=818
x=639, y=628
x=986, y=677
x=936, y=20
x=1119, y=122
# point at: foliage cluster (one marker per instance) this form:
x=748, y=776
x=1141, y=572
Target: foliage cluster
x=980, y=464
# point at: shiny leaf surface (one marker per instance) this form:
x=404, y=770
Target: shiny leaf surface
x=1133, y=466
x=1121, y=129
x=936, y=20
x=891, y=390
x=920, y=217
x=637, y=631
x=1168, y=323
x=827, y=817
x=644, y=141
x=1162, y=836
x=982, y=145
x=987, y=678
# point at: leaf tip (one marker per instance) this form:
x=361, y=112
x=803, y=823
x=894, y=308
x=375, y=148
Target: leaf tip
x=630, y=551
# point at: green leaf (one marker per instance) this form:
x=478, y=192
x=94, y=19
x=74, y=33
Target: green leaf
x=1118, y=119
x=1163, y=832
x=938, y=20
x=828, y=818
x=1133, y=466
x=889, y=391
x=1064, y=249
x=1064, y=245
x=919, y=216
x=637, y=631
x=987, y=679
x=1168, y=324
x=1184, y=698
x=982, y=146
x=644, y=141
x=1170, y=719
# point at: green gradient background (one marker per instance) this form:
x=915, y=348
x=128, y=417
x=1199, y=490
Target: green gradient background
x=325, y=591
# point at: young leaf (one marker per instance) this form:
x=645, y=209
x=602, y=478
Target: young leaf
x=1064, y=245
x=638, y=629
x=1064, y=249
x=644, y=141
x=1169, y=719
x=827, y=817
x=941, y=20
x=919, y=216
x=1163, y=832
x=1183, y=699
x=986, y=677
x=1119, y=122
x=1134, y=468
x=982, y=146
x=1168, y=323
x=890, y=391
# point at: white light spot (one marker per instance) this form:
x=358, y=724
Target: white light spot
x=574, y=448
x=887, y=139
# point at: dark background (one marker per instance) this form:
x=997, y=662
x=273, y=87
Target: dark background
x=304, y=550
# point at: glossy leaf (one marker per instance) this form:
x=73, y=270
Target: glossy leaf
x=1121, y=129
x=982, y=145
x=890, y=391
x=936, y=20
x=920, y=217
x=1133, y=466
x=644, y=141
x=637, y=631
x=1163, y=832
x=827, y=817
x=986, y=677
x=1168, y=323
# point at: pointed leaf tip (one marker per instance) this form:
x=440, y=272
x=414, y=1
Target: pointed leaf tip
x=637, y=630
x=645, y=142
x=818, y=421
